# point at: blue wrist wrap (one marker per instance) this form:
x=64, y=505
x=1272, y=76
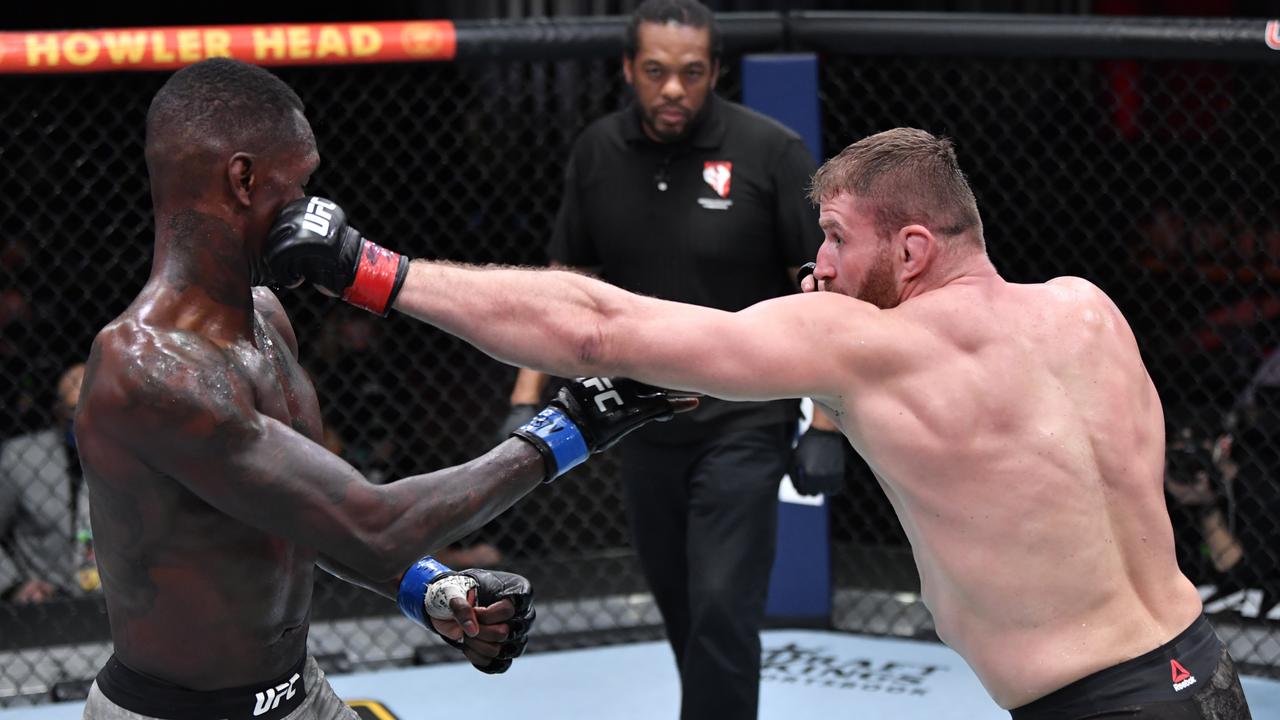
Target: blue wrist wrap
x=413, y=588
x=562, y=437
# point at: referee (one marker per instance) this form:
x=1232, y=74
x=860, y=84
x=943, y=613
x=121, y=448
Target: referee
x=688, y=197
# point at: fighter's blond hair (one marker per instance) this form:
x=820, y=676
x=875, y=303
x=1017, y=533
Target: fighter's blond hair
x=907, y=176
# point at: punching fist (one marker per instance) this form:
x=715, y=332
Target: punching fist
x=590, y=415
x=805, y=278
x=503, y=627
x=311, y=242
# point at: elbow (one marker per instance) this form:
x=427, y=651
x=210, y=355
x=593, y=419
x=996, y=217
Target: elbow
x=590, y=350
x=387, y=546
x=597, y=348
x=598, y=353
x=375, y=555
x=378, y=546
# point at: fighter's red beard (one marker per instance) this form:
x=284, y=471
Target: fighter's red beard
x=879, y=287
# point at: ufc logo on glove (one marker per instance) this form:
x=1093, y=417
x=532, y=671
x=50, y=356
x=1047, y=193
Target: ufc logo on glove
x=605, y=385
x=317, y=217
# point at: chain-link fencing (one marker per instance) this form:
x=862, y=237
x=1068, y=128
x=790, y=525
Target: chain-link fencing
x=1147, y=177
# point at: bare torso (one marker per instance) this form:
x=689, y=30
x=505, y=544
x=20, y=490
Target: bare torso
x=195, y=597
x=1021, y=442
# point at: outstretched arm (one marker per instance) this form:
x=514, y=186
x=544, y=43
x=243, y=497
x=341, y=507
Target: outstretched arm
x=570, y=324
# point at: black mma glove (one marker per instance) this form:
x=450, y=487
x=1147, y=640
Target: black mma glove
x=310, y=241
x=517, y=416
x=493, y=586
x=817, y=465
x=805, y=271
x=590, y=415
x=428, y=586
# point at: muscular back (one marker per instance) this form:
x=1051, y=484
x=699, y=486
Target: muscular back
x=1020, y=439
x=195, y=596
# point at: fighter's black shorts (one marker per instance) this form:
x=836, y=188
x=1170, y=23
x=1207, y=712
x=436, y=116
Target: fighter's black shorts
x=152, y=697
x=1191, y=677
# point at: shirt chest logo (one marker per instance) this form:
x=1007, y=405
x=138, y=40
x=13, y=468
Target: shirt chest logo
x=717, y=174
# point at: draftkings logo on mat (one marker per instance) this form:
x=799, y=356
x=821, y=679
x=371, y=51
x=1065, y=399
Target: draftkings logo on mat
x=817, y=666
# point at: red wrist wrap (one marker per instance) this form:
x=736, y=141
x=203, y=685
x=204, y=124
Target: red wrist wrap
x=375, y=278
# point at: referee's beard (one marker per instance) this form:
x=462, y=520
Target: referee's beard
x=647, y=115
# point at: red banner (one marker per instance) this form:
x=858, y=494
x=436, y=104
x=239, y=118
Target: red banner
x=167, y=48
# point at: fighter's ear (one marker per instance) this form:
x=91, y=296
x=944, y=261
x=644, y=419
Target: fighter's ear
x=918, y=248
x=241, y=179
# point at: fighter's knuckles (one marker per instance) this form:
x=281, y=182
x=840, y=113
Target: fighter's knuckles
x=494, y=633
x=498, y=612
x=484, y=648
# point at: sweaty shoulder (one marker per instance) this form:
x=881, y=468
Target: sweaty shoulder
x=269, y=308
x=1073, y=284
x=1084, y=323
x=1083, y=294
x=146, y=383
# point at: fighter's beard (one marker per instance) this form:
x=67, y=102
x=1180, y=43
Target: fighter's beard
x=879, y=288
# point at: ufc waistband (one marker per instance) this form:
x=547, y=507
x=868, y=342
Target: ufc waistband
x=145, y=695
x=1172, y=672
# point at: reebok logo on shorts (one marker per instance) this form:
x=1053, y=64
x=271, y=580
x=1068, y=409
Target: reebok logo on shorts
x=1182, y=678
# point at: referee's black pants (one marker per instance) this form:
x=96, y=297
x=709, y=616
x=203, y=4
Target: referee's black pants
x=704, y=521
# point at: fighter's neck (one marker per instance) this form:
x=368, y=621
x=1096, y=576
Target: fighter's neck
x=200, y=263
x=972, y=268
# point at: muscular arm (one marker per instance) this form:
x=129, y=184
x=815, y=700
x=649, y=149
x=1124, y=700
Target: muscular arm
x=179, y=405
x=268, y=306
x=569, y=324
x=529, y=384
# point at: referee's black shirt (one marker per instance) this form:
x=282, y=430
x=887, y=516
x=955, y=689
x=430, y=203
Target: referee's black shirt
x=715, y=219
